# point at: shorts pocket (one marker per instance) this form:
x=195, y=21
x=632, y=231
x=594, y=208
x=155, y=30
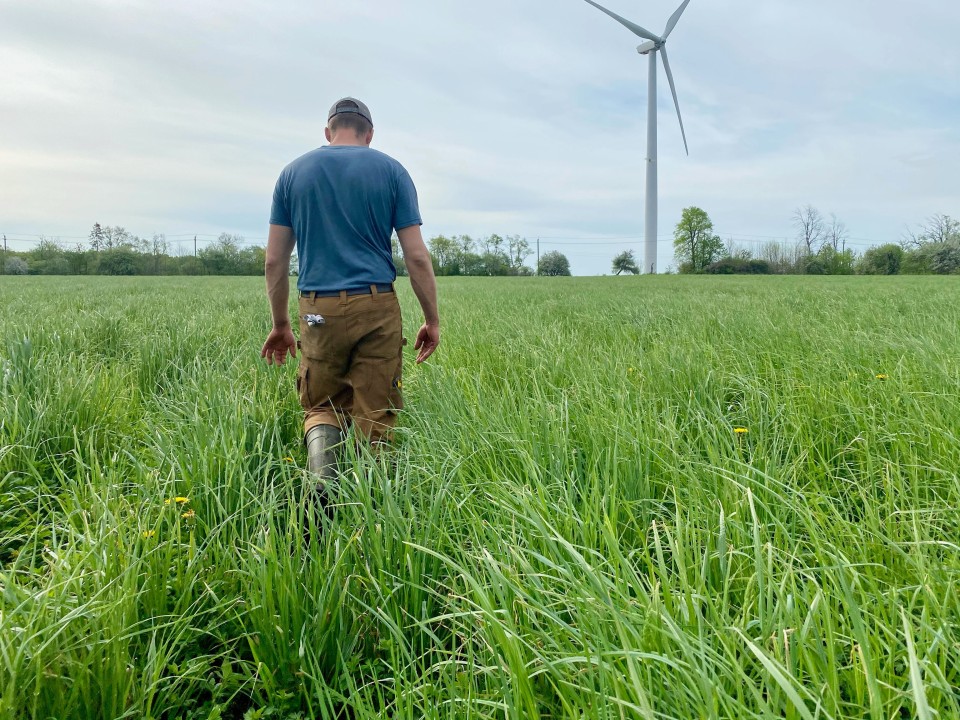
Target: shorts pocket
x=313, y=340
x=303, y=386
x=396, y=382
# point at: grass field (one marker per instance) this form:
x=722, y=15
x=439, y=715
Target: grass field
x=571, y=525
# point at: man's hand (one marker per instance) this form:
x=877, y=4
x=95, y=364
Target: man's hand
x=279, y=342
x=427, y=340
x=420, y=269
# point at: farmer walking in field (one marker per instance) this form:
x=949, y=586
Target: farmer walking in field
x=339, y=205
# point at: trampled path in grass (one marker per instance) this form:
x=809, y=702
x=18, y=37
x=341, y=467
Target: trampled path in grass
x=654, y=497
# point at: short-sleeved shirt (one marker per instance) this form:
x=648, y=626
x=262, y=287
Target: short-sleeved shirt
x=343, y=203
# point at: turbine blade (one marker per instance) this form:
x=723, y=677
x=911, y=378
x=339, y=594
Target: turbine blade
x=632, y=27
x=674, y=19
x=673, y=89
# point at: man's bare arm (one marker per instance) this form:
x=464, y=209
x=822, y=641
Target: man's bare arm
x=280, y=244
x=420, y=268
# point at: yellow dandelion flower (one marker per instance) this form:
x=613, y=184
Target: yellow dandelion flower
x=882, y=376
x=630, y=371
x=288, y=459
x=188, y=515
x=149, y=533
x=741, y=430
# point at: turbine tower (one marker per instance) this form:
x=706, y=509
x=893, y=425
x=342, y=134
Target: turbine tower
x=654, y=45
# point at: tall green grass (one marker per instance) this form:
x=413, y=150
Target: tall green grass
x=569, y=525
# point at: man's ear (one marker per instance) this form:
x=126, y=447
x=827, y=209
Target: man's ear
x=369, y=137
x=326, y=134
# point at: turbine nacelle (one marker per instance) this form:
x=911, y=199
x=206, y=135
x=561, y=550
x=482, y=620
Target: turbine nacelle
x=648, y=47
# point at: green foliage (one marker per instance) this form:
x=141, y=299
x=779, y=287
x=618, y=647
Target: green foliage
x=695, y=245
x=557, y=534
x=738, y=266
x=554, y=263
x=96, y=238
x=16, y=266
x=114, y=251
x=933, y=258
x=828, y=261
x=445, y=255
x=399, y=264
x=882, y=260
x=225, y=257
x=496, y=255
x=120, y=261
x=625, y=262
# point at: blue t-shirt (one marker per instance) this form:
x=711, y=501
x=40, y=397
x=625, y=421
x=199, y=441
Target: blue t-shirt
x=343, y=203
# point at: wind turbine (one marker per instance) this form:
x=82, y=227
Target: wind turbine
x=652, y=47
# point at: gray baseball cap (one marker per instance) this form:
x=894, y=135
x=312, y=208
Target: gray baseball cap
x=350, y=105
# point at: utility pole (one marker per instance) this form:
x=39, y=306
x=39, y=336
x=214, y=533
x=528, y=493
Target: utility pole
x=3, y=266
x=194, y=245
x=538, y=256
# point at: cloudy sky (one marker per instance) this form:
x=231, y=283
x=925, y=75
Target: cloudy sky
x=513, y=116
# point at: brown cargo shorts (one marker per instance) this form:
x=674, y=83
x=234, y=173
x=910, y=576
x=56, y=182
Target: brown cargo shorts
x=351, y=363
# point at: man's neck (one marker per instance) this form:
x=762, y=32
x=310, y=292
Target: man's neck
x=347, y=140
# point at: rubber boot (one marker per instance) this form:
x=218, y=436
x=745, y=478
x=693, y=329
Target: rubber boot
x=323, y=445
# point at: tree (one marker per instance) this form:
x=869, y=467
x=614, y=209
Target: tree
x=158, y=248
x=519, y=250
x=625, y=263
x=465, y=243
x=472, y=264
x=939, y=229
x=694, y=244
x=468, y=259
x=493, y=263
x=836, y=234
x=732, y=265
x=945, y=259
x=553, y=263
x=96, y=238
x=882, y=260
x=17, y=266
x=118, y=261
x=222, y=257
x=782, y=257
x=49, y=258
x=739, y=252
x=116, y=237
x=77, y=259
x=829, y=262
x=399, y=264
x=810, y=228
x=443, y=251
x=932, y=257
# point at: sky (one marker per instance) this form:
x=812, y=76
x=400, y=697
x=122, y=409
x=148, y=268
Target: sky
x=515, y=117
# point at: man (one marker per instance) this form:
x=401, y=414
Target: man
x=339, y=206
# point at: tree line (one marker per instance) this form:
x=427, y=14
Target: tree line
x=486, y=256
x=820, y=248
x=114, y=251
